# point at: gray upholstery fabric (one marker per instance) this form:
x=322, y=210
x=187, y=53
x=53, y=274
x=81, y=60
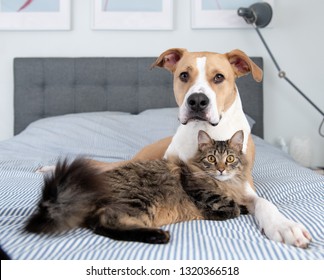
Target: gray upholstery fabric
x=45, y=87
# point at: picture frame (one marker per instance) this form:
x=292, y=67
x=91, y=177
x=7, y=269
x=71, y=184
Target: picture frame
x=23, y=15
x=209, y=14
x=125, y=15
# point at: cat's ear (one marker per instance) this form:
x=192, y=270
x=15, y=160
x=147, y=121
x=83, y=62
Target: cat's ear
x=236, y=142
x=204, y=140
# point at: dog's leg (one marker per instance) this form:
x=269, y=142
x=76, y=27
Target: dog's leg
x=250, y=158
x=154, y=151
x=98, y=165
x=275, y=225
x=106, y=166
x=46, y=169
x=150, y=152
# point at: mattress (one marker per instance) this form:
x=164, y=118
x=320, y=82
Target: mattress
x=115, y=136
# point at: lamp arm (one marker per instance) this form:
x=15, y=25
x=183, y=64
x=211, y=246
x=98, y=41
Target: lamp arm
x=267, y=48
x=282, y=73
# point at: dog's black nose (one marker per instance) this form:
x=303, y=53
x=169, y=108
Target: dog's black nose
x=198, y=102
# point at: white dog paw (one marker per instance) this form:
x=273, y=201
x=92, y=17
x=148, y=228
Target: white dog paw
x=288, y=232
x=46, y=169
x=277, y=227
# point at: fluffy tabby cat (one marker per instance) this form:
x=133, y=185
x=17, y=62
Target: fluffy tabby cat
x=132, y=201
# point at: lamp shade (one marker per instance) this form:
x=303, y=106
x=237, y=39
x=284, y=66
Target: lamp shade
x=259, y=14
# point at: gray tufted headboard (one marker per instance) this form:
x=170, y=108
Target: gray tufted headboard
x=45, y=87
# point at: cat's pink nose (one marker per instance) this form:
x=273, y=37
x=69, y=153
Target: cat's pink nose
x=221, y=170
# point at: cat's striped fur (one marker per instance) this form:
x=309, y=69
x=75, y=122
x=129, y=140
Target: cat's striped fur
x=131, y=202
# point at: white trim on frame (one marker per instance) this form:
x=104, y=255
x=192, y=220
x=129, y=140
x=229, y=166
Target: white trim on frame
x=115, y=20
x=205, y=19
x=60, y=20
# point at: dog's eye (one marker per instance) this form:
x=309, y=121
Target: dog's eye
x=184, y=77
x=230, y=159
x=219, y=78
x=211, y=159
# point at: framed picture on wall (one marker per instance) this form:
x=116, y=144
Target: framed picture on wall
x=132, y=14
x=219, y=13
x=35, y=14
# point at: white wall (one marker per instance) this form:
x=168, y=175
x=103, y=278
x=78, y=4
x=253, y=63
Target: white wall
x=296, y=40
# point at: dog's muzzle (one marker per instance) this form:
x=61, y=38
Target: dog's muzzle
x=197, y=109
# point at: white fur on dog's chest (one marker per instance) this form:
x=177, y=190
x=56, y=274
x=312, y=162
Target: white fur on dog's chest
x=185, y=142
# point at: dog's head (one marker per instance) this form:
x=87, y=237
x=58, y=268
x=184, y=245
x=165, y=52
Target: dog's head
x=204, y=82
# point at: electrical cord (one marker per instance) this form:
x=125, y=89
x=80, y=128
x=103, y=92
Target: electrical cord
x=320, y=129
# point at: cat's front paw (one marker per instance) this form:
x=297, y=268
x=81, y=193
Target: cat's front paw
x=225, y=209
x=288, y=232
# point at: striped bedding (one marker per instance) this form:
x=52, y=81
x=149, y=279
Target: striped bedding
x=113, y=136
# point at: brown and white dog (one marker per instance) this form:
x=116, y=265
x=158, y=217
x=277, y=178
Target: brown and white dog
x=208, y=99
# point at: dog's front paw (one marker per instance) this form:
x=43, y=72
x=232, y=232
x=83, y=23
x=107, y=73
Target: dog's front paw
x=288, y=232
x=277, y=227
x=46, y=169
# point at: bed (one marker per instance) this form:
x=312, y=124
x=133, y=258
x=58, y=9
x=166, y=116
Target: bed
x=107, y=109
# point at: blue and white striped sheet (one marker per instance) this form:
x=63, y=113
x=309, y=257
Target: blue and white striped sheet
x=297, y=192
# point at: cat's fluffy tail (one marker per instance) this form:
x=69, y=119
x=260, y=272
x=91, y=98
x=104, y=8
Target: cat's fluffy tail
x=67, y=198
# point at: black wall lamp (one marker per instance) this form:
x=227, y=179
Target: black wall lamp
x=259, y=15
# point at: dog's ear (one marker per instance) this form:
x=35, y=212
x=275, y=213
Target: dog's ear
x=242, y=65
x=169, y=59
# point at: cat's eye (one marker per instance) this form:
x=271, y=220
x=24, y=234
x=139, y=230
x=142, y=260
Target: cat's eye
x=230, y=159
x=211, y=159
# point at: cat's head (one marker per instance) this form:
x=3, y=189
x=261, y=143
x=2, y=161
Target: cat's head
x=221, y=159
